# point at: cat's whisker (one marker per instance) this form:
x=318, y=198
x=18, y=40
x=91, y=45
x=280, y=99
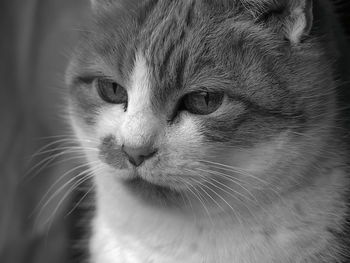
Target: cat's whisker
x=220, y=146
x=43, y=163
x=301, y=134
x=204, y=201
x=64, y=140
x=50, y=218
x=82, y=148
x=190, y=203
x=52, y=157
x=270, y=188
x=197, y=195
x=235, y=212
x=231, y=179
x=231, y=192
x=64, y=136
x=224, y=177
x=184, y=196
x=81, y=157
x=51, y=144
x=71, y=189
x=67, y=139
x=48, y=162
x=40, y=204
x=87, y=175
x=200, y=184
x=234, y=169
x=201, y=187
x=80, y=200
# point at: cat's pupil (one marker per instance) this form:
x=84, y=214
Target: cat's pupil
x=207, y=98
x=203, y=103
x=115, y=86
x=112, y=92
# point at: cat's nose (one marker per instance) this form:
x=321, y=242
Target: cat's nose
x=139, y=154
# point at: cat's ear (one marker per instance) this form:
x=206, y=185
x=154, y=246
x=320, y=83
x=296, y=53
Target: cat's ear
x=291, y=18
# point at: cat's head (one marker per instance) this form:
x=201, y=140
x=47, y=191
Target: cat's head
x=217, y=97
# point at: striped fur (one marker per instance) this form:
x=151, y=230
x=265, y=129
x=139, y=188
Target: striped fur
x=278, y=126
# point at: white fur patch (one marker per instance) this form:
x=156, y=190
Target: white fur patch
x=154, y=236
x=297, y=27
x=140, y=125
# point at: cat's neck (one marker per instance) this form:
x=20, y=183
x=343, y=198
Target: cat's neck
x=284, y=228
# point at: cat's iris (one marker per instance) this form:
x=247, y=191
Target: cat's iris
x=111, y=92
x=203, y=103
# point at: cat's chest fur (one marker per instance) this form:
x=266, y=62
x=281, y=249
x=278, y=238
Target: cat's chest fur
x=294, y=230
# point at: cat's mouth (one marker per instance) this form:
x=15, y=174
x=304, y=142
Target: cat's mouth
x=152, y=192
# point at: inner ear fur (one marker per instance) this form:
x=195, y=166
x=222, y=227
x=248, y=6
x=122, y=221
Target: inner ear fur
x=292, y=19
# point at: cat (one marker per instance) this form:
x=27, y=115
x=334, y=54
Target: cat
x=215, y=130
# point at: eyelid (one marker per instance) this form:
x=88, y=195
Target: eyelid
x=89, y=79
x=203, y=89
x=83, y=80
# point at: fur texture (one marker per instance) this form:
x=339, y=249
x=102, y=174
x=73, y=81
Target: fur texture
x=261, y=179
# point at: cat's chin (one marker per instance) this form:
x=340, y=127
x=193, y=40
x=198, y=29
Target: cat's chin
x=153, y=192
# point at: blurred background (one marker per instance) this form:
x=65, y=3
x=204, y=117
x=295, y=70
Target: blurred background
x=37, y=37
x=39, y=220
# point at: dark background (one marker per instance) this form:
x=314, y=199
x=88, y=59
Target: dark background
x=36, y=37
x=343, y=9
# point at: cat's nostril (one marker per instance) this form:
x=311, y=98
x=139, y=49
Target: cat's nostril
x=138, y=155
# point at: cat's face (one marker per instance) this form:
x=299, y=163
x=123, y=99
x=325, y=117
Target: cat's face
x=198, y=98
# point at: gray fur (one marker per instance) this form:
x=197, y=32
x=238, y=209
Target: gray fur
x=274, y=83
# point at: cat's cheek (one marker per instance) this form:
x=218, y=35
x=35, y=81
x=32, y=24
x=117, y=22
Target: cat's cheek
x=180, y=147
x=183, y=142
x=109, y=122
x=256, y=160
x=186, y=132
x=86, y=140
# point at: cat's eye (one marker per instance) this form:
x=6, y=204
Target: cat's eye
x=111, y=92
x=203, y=103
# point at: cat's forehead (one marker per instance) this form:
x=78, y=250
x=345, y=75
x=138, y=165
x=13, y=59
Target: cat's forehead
x=181, y=43
x=163, y=30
